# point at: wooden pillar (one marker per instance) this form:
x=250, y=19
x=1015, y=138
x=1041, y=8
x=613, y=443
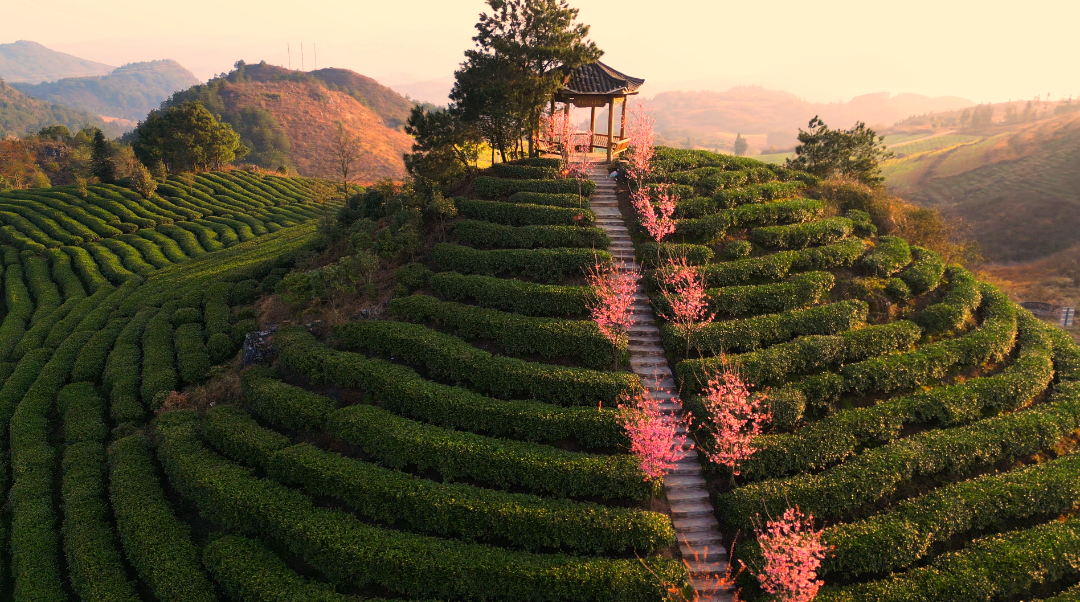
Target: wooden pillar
x=592, y=126
x=610, y=126
x=622, y=120
x=566, y=150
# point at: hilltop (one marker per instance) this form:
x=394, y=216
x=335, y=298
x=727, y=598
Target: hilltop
x=771, y=118
x=128, y=93
x=21, y=115
x=30, y=62
x=289, y=118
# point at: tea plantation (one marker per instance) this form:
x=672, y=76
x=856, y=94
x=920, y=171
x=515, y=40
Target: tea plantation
x=464, y=443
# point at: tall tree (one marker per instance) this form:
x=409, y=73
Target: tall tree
x=741, y=145
x=345, y=148
x=484, y=98
x=536, y=43
x=856, y=153
x=102, y=166
x=444, y=149
x=187, y=137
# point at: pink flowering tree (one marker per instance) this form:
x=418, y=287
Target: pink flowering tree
x=657, y=219
x=737, y=417
x=683, y=290
x=613, y=301
x=793, y=552
x=654, y=436
x=641, y=140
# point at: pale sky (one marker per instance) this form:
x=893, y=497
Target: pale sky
x=822, y=50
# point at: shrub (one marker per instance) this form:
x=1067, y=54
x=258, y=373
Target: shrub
x=887, y=258
x=553, y=200
x=497, y=236
x=963, y=297
x=523, y=172
x=714, y=226
x=220, y=347
x=238, y=436
x=191, y=357
x=157, y=544
x=925, y=273
x=186, y=315
x=799, y=292
x=449, y=357
x=413, y=276
x=515, y=334
x=778, y=266
x=247, y=570
x=797, y=236
x=402, y=391
x=91, y=361
x=654, y=255
x=356, y=555
x=550, y=265
x=244, y=292
x=514, y=214
x=158, y=370
x=524, y=298
x=500, y=188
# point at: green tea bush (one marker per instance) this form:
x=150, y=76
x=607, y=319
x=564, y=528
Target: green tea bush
x=500, y=188
x=191, y=357
x=496, y=236
x=186, y=315
x=961, y=299
x=247, y=570
x=654, y=255
x=525, y=298
x=158, y=369
x=797, y=236
x=449, y=357
x=91, y=361
x=550, y=265
x=887, y=258
x=515, y=214
x=64, y=275
x=280, y=404
x=552, y=200
x=523, y=172
x=925, y=273
x=778, y=266
x=801, y=291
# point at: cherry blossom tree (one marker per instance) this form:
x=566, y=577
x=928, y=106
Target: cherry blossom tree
x=613, y=301
x=737, y=416
x=654, y=436
x=684, y=292
x=641, y=139
x=657, y=221
x=793, y=552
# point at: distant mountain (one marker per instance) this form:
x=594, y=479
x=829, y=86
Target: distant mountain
x=127, y=93
x=772, y=117
x=30, y=62
x=21, y=115
x=435, y=91
x=290, y=117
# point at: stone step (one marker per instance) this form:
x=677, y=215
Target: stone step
x=706, y=553
x=676, y=482
x=688, y=495
x=700, y=568
x=694, y=524
x=690, y=508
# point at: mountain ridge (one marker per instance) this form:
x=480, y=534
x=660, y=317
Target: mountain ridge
x=25, y=61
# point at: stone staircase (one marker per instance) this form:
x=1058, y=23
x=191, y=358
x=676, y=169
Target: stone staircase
x=691, y=510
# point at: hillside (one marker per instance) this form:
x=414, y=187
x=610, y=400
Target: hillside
x=128, y=93
x=289, y=118
x=772, y=118
x=21, y=115
x=32, y=63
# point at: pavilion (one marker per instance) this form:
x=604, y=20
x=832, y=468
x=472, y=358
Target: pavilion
x=594, y=86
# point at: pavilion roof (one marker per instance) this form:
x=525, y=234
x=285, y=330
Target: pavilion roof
x=598, y=78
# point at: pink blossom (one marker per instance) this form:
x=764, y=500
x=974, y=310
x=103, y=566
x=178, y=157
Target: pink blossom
x=793, y=553
x=659, y=225
x=654, y=436
x=737, y=417
x=641, y=140
x=613, y=299
x=684, y=291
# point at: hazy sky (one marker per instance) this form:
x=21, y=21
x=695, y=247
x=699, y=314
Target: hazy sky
x=822, y=50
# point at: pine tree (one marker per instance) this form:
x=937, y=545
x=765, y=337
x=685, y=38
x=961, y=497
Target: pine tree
x=101, y=162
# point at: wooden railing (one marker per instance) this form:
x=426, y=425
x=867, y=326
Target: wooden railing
x=598, y=141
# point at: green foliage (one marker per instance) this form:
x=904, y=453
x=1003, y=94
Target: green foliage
x=353, y=554
x=800, y=291
x=962, y=298
x=797, y=236
x=495, y=236
x=520, y=214
x=446, y=356
x=654, y=255
x=402, y=391
x=247, y=570
x=775, y=267
x=714, y=226
x=924, y=274
x=501, y=188
x=523, y=172
x=525, y=298
x=206, y=142
x=445, y=148
x=550, y=265
x=191, y=357
x=856, y=153
x=514, y=334
x=549, y=199
x=888, y=257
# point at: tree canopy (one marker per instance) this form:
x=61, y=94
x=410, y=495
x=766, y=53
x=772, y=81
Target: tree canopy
x=856, y=153
x=525, y=49
x=187, y=137
x=444, y=149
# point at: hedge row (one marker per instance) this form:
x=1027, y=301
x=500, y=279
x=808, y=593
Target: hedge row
x=448, y=357
x=925, y=273
x=798, y=236
x=552, y=200
x=668, y=160
x=354, y=555
x=157, y=544
x=963, y=297
x=550, y=265
x=500, y=188
x=804, y=355
x=525, y=298
x=779, y=265
x=191, y=357
x=654, y=255
x=906, y=534
x=515, y=334
x=158, y=369
x=729, y=199
x=880, y=471
x=19, y=306
x=120, y=380
x=46, y=294
x=457, y=511
x=402, y=391
x=399, y=442
x=524, y=172
x=496, y=236
x=91, y=361
x=888, y=257
x=761, y=331
x=63, y=274
x=247, y=570
x=713, y=227
x=799, y=292
x=516, y=214
x=93, y=558
x=998, y=567
x=840, y=435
